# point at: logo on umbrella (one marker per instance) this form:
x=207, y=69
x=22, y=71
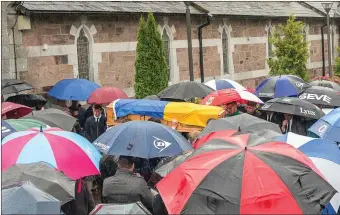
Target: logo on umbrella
x=299, y=85
x=210, y=100
x=160, y=144
x=102, y=146
x=322, y=129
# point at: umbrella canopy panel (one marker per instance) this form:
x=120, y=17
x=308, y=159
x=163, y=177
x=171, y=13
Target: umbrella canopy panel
x=245, y=174
x=226, y=96
x=6, y=129
x=185, y=91
x=224, y=84
x=14, y=111
x=133, y=208
x=44, y=176
x=106, y=95
x=321, y=96
x=25, y=198
x=294, y=106
x=23, y=124
x=326, y=83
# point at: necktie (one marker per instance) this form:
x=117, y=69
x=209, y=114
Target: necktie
x=288, y=126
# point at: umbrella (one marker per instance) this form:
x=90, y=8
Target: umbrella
x=66, y=151
x=54, y=117
x=246, y=174
x=9, y=86
x=73, y=89
x=106, y=95
x=185, y=91
x=14, y=111
x=132, y=208
x=224, y=84
x=325, y=155
x=229, y=95
x=152, y=97
x=279, y=86
x=242, y=122
x=144, y=139
x=23, y=124
x=269, y=134
x=325, y=83
x=44, y=177
x=321, y=96
x=294, y=106
x=327, y=127
x=29, y=100
x=25, y=198
x=213, y=135
x=6, y=129
x=166, y=165
x=327, y=110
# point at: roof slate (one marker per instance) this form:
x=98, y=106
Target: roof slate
x=254, y=8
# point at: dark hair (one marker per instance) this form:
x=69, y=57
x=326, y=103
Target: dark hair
x=152, y=119
x=125, y=162
x=97, y=107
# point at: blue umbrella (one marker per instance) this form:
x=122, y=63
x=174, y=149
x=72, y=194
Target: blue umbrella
x=144, y=139
x=224, y=84
x=6, y=129
x=280, y=86
x=327, y=127
x=73, y=89
x=325, y=155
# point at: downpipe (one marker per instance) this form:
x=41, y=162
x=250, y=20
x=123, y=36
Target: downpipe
x=200, y=39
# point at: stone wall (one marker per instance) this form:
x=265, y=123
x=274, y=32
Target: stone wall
x=112, y=45
x=316, y=50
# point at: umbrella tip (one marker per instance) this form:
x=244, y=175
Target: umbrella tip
x=41, y=130
x=239, y=128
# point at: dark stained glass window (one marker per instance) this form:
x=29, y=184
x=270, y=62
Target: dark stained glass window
x=83, y=56
x=166, y=44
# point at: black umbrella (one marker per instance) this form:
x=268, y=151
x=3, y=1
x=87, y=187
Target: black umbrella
x=325, y=83
x=29, y=100
x=167, y=164
x=294, y=106
x=185, y=91
x=243, y=122
x=152, y=97
x=44, y=177
x=54, y=117
x=321, y=96
x=9, y=86
x=132, y=208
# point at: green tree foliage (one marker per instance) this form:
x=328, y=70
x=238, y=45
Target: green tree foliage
x=290, y=52
x=337, y=64
x=151, y=68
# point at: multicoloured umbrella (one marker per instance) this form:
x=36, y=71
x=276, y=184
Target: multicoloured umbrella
x=327, y=127
x=224, y=84
x=106, y=95
x=14, y=111
x=144, y=139
x=226, y=96
x=294, y=106
x=66, y=151
x=23, y=124
x=73, y=89
x=280, y=86
x=325, y=155
x=245, y=174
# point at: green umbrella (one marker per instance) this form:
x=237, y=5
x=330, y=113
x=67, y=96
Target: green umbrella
x=24, y=124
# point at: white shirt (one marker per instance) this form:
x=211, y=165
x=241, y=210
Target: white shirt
x=96, y=119
x=269, y=117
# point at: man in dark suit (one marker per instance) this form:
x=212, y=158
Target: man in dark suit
x=273, y=117
x=292, y=124
x=95, y=125
x=126, y=187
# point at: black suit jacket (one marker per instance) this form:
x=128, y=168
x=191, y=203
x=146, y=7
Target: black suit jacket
x=94, y=129
x=297, y=127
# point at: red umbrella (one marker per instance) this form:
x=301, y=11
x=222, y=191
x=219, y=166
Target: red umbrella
x=226, y=96
x=245, y=174
x=14, y=111
x=213, y=135
x=106, y=95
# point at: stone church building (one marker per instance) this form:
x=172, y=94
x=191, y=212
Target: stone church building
x=44, y=42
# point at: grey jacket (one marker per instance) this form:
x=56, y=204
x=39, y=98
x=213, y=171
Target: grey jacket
x=126, y=187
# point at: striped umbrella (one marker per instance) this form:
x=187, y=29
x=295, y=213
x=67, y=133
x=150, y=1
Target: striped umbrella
x=66, y=151
x=224, y=84
x=325, y=155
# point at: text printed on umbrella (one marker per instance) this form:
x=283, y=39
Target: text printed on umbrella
x=102, y=146
x=310, y=96
x=307, y=112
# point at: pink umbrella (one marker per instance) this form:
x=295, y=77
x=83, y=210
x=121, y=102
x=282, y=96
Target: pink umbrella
x=14, y=111
x=106, y=95
x=69, y=152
